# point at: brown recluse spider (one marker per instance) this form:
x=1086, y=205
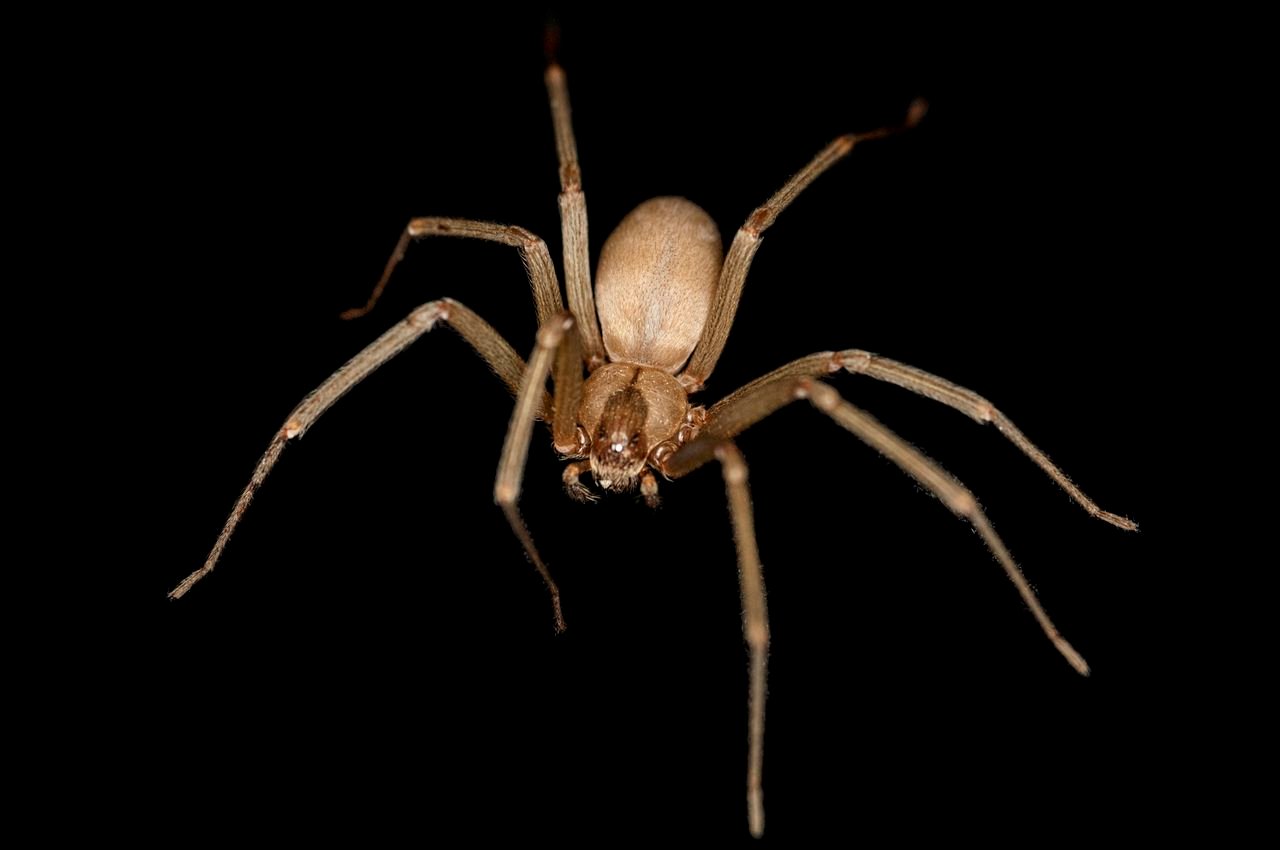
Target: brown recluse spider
x=665, y=297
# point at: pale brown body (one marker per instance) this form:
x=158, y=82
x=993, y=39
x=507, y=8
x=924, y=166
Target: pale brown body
x=667, y=300
x=631, y=416
x=654, y=287
x=656, y=280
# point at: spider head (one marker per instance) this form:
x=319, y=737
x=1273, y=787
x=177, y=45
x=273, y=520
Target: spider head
x=619, y=445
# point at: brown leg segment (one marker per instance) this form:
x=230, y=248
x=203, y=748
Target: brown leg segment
x=515, y=451
x=930, y=386
x=572, y=481
x=738, y=261
x=755, y=615
x=573, y=220
x=649, y=488
x=533, y=253
x=568, y=384
x=500, y=356
x=767, y=397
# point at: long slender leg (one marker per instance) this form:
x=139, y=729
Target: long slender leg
x=755, y=621
x=500, y=356
x=533, y=253
x=745, y=244
x=506, y=488
x=568, y=396
x=768, y=397
x=930, y=386
x=573, y=220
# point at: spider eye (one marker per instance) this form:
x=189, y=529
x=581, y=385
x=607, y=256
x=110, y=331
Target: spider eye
x=635, y=438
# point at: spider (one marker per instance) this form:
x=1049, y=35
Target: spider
x=648, y=335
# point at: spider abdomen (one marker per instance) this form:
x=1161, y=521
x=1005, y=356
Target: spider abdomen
x=656, y=279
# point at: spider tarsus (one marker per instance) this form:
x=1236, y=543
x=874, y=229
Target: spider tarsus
x=577, y=491
x=1115, y=519
x=551, y=44
x=355, y=313
x=649, y=489
x=755, y=812
x=916, y=112
x=580, y=492
x=1074, y=658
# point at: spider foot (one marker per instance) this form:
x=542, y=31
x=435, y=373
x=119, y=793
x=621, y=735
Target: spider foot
x=577, y=491
x=649, y=489
x=581, y=493
x=354, y=313
x=1115, y=519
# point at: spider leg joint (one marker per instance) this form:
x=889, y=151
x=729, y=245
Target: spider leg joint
x=550, y=334
x=427, y=315
x=852, y=361
x=735, y=469
x=505, y=494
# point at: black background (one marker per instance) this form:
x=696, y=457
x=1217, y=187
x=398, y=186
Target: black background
x=374, y=656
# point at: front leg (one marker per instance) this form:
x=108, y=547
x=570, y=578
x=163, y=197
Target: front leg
x=495, y=350
x=552, y=337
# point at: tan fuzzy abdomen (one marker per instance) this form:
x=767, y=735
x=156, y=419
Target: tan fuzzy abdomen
x=657, y=276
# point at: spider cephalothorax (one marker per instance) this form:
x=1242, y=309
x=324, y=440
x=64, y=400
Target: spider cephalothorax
x=629, y=411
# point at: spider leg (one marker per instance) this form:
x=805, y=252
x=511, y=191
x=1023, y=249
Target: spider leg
x=767, y=397
x=568, y=396
x=755, y=620
x=930, y=386
x=533, y=253
x=487, y=342
x=737, y=262
x=573, y=220
x=553, y=340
